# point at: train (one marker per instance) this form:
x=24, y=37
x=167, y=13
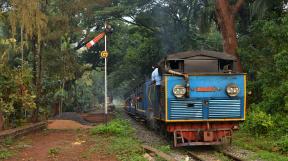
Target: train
x=202, y=98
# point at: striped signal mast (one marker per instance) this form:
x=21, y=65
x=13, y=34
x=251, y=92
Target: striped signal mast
x=104, y=54
x=106, y=101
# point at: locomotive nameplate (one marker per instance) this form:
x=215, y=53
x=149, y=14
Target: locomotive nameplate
x=205, y=89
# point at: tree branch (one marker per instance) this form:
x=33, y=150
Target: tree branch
x=238, y=6
x=137, y=24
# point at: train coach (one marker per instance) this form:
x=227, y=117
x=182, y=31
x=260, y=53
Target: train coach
x=202, y=98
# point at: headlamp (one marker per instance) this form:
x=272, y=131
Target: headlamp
x=179, y=91
x=232, y=90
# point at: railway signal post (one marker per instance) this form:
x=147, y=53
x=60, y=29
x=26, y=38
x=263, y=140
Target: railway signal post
x=105, y=82
x=104, y=54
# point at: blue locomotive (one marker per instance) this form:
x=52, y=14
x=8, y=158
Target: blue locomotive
x=202, y=98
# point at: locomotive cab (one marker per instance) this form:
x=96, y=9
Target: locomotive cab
x=200, y=62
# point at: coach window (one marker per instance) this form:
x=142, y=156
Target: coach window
x=176, y=65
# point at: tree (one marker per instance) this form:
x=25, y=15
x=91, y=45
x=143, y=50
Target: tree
x=225, y=13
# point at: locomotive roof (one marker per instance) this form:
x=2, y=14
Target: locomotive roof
x=189, y=54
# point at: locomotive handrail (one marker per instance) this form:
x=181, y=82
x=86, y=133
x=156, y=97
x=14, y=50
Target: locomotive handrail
x=149, y=93
x=186, y=78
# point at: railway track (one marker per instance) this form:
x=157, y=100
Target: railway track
x=193, y=152
x=199, y=157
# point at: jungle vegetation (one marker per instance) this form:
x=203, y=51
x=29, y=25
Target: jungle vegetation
x=41, y=69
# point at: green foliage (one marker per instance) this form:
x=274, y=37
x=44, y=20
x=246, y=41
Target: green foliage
x=265, y=51
x=282, y=143
x=90, y=89
x=115, y=127
x=165, y=148
x=120, y=137
x=14, y=89
x=127, y=148
x=264, y=54
x=5, y=154
x=259, y=123
x=54, y=151
x=249, y=141
x=281, y=124
x=269, y=156
x=222, y=157
x=8, y=141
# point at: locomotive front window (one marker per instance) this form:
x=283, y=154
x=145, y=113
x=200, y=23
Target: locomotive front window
x=201, y=66
x=225, y=65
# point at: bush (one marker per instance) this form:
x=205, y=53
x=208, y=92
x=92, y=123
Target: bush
x=283, y=144
x=259, y=122
x=280, y=125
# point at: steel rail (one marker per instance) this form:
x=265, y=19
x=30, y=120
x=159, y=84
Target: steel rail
x=195, y=156
x=230, y=156
x=225, y=153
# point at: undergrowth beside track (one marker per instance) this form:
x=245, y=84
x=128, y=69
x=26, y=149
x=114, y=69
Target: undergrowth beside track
x=119, y=139
x=265, y=147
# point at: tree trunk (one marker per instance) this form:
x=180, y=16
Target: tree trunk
x=1, y=121
x=37, y=77
x=226, y=22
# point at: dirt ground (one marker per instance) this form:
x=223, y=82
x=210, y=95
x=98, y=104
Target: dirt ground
x=66, y=124
x=59, y=145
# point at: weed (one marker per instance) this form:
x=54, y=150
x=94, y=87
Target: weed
x=86, y=154
x=251, y=142
x=54, y=151
x=283, y=144
x=221, y=156
x=157, y=158
x=264, y=155
x=8, y=141
x=115, y=127
x=165, y=148
x=120, y=136
x=264, y=147
x=78, y=130
x=4, y=154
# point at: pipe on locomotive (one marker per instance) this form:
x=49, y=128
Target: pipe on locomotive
x=186, y=78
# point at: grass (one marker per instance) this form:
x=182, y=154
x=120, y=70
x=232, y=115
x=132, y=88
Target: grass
x=117, y=138
x=54, y=151
x=118, y=127
x=5, y=148
x=5, y=154
x=164, y=148
x=265, y=147
x=269, y=156
x=8, y=141
x=221, y=157
x=249, y=142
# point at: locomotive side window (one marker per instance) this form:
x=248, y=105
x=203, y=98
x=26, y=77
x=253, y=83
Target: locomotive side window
x=176, y=65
